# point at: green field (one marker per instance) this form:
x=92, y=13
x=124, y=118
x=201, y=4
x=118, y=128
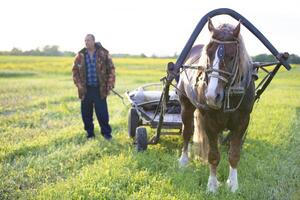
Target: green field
x=44, y=153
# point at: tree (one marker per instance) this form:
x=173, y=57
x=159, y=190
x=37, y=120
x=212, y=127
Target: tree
x=264, y=58
x=293, y=58
x=143, y=55
x=16, y=52
x=51, y=50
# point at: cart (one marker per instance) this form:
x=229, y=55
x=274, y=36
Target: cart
x=144, y=111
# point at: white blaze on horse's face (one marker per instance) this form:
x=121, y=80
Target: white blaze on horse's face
x=214, y=93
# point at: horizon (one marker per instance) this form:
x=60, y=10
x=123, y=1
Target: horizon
x=140, y=27
x=120, y=55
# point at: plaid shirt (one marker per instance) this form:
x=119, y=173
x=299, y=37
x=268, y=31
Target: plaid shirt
x=92, y=79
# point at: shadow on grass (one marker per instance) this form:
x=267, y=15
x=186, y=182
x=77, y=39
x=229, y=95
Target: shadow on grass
x=41, y=149
x=41, y=105
x=76, y=139
x=61, y=167
x=15, y=74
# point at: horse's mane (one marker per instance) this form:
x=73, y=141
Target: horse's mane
x=244, y=60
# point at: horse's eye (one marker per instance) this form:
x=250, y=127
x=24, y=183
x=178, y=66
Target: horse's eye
x=229, y=58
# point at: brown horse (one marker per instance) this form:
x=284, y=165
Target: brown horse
x=222, y=88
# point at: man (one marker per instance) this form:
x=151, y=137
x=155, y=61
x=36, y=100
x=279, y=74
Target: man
x=94, y=76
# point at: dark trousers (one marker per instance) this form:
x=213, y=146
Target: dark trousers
x=93, y=100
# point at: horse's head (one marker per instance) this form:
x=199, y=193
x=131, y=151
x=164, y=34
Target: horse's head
x=222, y=55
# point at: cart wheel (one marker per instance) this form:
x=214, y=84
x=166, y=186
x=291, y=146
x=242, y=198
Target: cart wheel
x=141, y=139
x=133, y=122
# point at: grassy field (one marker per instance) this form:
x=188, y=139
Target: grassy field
x=44, y=153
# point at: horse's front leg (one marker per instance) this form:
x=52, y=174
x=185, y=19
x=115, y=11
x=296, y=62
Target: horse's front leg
x=234, y=154
x=187, y=115
x=213, y=159
x=234, y=157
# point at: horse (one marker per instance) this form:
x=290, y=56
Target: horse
x=222, y=87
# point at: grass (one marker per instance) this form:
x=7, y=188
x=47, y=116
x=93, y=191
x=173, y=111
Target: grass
x=44, y=153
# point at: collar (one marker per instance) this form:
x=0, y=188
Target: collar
x=97, y=47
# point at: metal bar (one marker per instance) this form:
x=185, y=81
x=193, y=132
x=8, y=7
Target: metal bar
x=262, y=81
x=168, y=126
x=150, y=102
x=271, y=76
x=236, y=16
x=170, y=133
x=264, y=69
x=163, y=105
x=258, y=64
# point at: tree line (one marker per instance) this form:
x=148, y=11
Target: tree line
x=47, y=50
x=293, y=58
x=53, y=50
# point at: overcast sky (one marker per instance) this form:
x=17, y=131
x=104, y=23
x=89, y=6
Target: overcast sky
x=160, y=27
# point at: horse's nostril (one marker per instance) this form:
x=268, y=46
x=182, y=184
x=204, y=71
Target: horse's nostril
x=218, y=97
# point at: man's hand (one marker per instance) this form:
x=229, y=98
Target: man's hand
x=110, y=87
x=80, y=88
x=81, y=92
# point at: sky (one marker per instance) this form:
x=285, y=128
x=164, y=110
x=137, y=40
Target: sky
x=160, y=27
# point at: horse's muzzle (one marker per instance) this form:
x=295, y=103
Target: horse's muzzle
x=214, y=101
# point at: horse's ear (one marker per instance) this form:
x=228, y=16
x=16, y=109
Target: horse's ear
x=211, y=27
x=237, y=29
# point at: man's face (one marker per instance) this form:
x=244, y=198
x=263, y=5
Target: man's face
x=89, y=42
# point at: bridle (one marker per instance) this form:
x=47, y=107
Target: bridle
x=222, y=75
x=225, y=76
x=228, y=77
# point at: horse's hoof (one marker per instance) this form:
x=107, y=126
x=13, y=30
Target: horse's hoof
x=212, y=185
x=183, y=160
x=232, y=185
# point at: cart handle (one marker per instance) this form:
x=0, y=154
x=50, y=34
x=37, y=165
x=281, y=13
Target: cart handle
x=244, y=21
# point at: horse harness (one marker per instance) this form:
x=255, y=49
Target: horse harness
x=228, y=77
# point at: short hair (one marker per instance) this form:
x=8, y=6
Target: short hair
x=91, y=35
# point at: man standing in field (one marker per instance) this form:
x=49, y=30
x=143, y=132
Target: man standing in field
x=94, y=76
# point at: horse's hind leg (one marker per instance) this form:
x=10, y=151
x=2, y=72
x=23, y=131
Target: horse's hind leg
x=187, y=115
x=234, y=154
